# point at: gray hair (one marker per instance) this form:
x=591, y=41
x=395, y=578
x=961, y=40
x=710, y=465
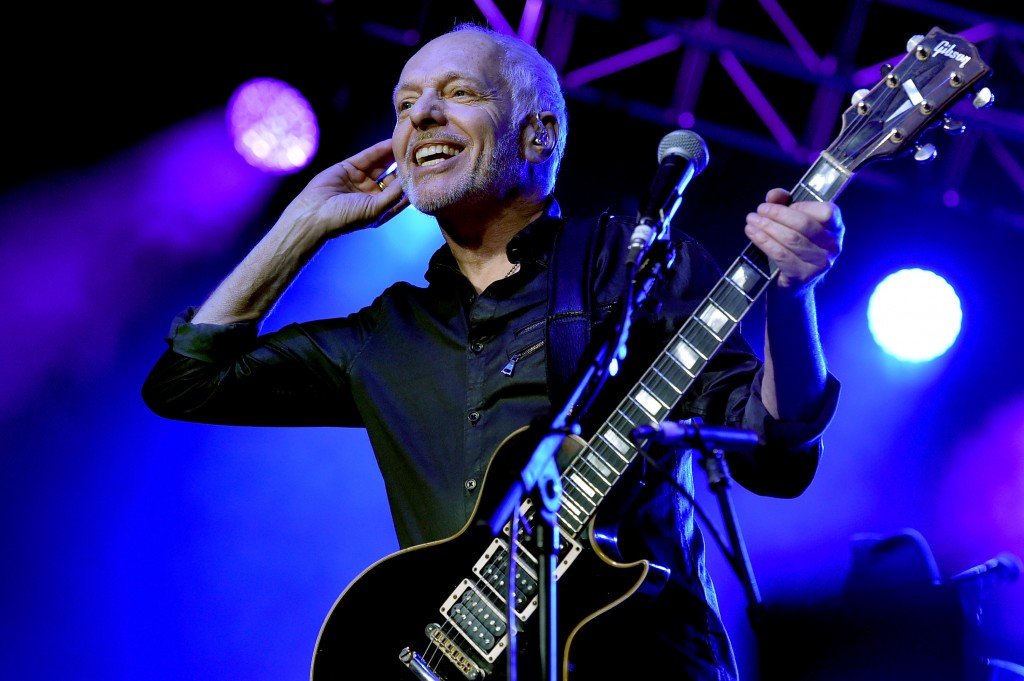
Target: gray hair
x=535, y=87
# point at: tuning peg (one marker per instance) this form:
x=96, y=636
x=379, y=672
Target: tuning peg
x=914, y=42
x=923, y=153
x=859, y=95
x=983, y=98
x=952, y=126
x=885, y=69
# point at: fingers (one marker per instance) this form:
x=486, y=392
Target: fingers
x=803, y=238
x=382, y=178
x=367, y=171
x=777, y=195
x=397, y=207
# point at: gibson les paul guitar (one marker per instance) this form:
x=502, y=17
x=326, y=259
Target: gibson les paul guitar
x=441, y=610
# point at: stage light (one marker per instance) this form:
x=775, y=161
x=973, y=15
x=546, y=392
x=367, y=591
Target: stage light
x=914, y=315
x=272, y=126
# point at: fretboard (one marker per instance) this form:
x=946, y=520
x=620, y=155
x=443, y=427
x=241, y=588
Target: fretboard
x=598, y=466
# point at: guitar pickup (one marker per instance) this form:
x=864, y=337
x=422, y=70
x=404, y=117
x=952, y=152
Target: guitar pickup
x=479, y=621
x=493, y=566
x=493, y=569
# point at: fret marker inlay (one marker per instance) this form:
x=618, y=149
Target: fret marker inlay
x=714, y=318
x=598, y=464
x=616, y=441
x=744, y=277
x=685, y=354
x=649, y=402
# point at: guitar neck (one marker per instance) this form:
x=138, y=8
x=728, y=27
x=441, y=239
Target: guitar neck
x=599, y=465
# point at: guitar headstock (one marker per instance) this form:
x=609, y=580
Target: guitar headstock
x=939, y=70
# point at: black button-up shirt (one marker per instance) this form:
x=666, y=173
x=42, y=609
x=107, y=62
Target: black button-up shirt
x=439, y=376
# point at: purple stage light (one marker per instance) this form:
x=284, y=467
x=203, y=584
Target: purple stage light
x=272, y=126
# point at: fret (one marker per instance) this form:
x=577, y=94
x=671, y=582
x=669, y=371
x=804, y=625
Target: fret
x=570, y=506
x=597, y=463
x=687, y=356
x=571, y=517
x=656, y=382
x=700, y=338
x=715, y=319
x=670, y=367
x=649, y=403
x=571, y=527
x=733, y=300
x=621, y=435
x=618, y=446
x=578, y=489
x=582, y=507
x=625, y=416
x=756, y=258
x=743, y=295
x=659, y=373
x=634, y=416
x=747, y=276
x=823, y=181
x=587, y=475
x=585, y=488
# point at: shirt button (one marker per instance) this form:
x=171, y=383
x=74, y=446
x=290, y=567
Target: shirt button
x=470, y=485
x=477, y=346
x=474, y=416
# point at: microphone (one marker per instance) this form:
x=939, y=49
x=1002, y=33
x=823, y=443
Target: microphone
x=682, y=155
x=1005, y=566
x=682, y=433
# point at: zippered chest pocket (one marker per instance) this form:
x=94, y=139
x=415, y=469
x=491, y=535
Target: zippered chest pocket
x=528, y=341
x=516, y=357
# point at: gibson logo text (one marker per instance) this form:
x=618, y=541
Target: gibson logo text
x=949, y=49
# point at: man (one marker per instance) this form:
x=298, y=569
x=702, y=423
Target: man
x=440, y=376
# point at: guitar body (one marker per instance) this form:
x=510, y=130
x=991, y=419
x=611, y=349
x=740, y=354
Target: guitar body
x=388, y=607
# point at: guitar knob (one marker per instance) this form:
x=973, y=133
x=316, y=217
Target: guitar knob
x=953, y=126
x=923, y=153
x=859, y=95
x=914, y=42
x=983, y=98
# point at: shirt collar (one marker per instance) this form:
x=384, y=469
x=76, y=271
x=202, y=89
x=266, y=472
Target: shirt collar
x=531, y=244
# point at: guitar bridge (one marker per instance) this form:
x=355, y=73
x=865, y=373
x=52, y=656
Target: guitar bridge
x=470, y=669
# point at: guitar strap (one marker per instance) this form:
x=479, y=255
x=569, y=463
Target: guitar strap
x=569, y=311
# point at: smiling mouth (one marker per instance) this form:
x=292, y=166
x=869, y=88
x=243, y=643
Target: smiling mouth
x=432, y=154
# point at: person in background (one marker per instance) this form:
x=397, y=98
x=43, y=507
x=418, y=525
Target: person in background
x=440, y=375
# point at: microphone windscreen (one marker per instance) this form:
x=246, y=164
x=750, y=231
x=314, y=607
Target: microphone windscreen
x=688, y=144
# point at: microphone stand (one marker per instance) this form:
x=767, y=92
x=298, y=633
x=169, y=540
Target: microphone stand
x=712, y=460
x=540, y=477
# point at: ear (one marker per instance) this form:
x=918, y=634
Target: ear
x=540, y=136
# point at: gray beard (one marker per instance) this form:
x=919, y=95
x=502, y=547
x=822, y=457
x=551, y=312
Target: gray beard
x=496, y=178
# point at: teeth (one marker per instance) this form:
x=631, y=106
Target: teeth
x=435, y=150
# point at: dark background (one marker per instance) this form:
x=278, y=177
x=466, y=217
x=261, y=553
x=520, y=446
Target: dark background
x=140, y=548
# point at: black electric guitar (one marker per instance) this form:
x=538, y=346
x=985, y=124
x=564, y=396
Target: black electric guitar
x=439, y=611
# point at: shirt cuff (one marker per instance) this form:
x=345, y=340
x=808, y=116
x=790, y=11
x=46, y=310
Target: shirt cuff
x=793, y=435
x=209, y=342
